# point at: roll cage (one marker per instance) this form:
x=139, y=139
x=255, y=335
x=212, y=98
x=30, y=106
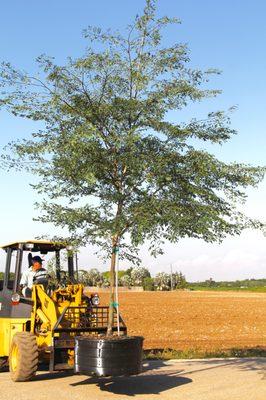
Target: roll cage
x=33, y=246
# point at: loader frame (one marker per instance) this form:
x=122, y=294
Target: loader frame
x=54, y=318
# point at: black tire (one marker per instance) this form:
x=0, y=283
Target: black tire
x=115, y=356
x=23, y=357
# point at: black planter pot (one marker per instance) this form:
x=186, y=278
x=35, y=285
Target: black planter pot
x=114, y=356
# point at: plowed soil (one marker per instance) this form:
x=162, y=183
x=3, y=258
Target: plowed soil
x=195, y=320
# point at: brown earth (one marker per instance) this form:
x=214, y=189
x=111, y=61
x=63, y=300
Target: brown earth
x=195, y=320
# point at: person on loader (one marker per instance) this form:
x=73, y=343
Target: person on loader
x=35, y=274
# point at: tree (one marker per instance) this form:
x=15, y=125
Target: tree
x=148, y=283
x=51, y=270
x=106, y=279
x=94, y=277
x=162, y=281
x=138, y=274
x=83, y=276
x=91, y=277
x=210, y=282
x=126, y=280
x=106, y=136
x=121, y=274
x=179, y=280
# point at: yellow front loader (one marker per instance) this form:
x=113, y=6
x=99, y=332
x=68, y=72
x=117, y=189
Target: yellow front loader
x=42, y=328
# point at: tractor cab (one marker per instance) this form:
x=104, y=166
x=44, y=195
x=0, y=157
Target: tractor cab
x=11, y=281
x=10, y=290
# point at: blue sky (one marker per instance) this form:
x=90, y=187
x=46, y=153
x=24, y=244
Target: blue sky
x=227, y=35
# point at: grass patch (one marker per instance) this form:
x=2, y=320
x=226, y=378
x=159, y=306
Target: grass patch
x=168, y=354
x=256, y=289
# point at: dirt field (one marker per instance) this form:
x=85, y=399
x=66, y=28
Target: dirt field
x=195, y=320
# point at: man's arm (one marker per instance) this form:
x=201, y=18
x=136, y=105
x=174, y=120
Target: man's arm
x=24, y=279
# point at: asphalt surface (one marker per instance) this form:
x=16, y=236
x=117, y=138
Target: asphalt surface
x=214, y=379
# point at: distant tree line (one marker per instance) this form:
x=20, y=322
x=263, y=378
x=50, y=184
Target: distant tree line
x=140, y=276
x=137, y=276
x=162, y=281
x=244, y=283
x=11, y=276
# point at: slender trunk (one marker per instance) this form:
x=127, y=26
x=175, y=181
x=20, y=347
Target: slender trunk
x=112, y=287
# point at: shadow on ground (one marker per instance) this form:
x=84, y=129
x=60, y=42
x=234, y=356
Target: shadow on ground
x=243, y=364
x=134, y=385
x=151, y=381
x=158, y=376
x=46, y=375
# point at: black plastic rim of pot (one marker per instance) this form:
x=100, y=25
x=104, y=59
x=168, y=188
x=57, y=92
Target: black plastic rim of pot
x=108, y=356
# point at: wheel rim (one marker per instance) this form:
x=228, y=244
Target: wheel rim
x=14, y=357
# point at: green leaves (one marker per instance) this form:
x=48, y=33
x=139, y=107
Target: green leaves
x=110, y=163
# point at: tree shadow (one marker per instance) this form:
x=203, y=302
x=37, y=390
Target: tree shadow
x=150, y=381
x=251, y=364
x=244, y=364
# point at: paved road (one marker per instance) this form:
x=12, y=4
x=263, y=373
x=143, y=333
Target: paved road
x=229, y=379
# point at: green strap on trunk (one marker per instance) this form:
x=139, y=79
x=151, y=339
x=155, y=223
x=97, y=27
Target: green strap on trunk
x=115, y=250
x=114, y=304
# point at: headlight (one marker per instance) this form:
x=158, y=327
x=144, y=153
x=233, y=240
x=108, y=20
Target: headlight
x=95, y=300
x=15, y=298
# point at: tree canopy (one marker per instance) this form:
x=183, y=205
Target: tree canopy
x=112, y=166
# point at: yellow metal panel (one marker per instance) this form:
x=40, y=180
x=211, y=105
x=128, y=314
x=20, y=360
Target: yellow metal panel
x=45, y=313
x=8, y=328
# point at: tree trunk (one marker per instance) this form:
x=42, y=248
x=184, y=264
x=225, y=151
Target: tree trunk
x=112, y=287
